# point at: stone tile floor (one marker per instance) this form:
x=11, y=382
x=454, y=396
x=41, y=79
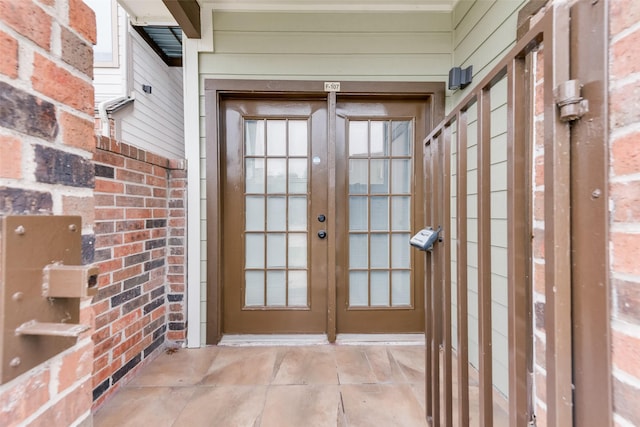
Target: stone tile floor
x=259, y=386
x=320, y=385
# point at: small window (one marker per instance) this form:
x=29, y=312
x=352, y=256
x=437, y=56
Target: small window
x=105, y=52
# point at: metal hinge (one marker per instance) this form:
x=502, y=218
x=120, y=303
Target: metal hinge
x=568, y=99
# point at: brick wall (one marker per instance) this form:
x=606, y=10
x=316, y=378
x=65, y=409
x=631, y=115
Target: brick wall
x=46, y=143
x=624, y=192
x=140, y=248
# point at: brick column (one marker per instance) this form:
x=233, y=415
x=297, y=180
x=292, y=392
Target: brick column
x=624, y=193
x=46, y=144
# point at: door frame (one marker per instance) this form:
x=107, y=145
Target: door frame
x=214, y=90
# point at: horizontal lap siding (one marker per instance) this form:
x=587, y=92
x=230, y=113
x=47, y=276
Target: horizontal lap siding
x=155, y=123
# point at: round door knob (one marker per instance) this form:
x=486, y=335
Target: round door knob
x=322, y=218
x=322, y=234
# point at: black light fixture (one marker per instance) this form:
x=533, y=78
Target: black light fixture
x=146, y=88
x=459, y=78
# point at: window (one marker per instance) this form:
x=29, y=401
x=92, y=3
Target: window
x=105, y=52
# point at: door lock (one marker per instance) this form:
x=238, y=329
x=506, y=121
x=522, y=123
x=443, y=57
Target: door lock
x=322, y=234
x=322, y=218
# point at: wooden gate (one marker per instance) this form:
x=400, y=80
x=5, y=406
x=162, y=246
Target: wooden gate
x=483, y=168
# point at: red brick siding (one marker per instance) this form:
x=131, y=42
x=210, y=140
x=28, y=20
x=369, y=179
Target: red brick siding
x=41, y=174
x=624, y=193
x=140, y=226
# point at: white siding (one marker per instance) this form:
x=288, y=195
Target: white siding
x=109, y=82
x=155, y=121
x=483, y=31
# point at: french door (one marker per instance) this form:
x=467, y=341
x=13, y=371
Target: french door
x=278, y=176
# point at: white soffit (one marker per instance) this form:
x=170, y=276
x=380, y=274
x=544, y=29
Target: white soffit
x=145, y=12
x=148, y=12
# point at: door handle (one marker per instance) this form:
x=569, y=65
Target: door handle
x=322, y=234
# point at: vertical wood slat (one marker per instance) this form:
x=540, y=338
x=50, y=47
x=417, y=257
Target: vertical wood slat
x=445, y=251
x=436, y=285
x=518, y=257
x=484, y=258
x=557, y=234
x=462, y=290
x=428, y=329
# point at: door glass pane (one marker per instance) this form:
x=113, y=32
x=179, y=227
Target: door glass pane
x=254, y=288
x=298, y=176
x=380, y=251
x=358, y=220
x=254, y=175
x=358, y=138
x=254, y=214
x=276, y=289
x=298, y=213
x=254, y=250
x=379, y=176
x=276, y=250
x=401, y=181
x=276, y=221
x=297, y=250
x=254, y=138
x=402, y=135
x=358, y=251
x=358, y=289
x=276, y=138
x=380, y=167
x=276, y=175
x=400, y=250
x=400, y=213
x=379, y=139
x=380, y=288
x=380, y=213
x=400, y=288
x=358, y=176
x=298, y=138
x=297, y=288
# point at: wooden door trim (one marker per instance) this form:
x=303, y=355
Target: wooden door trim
x=213, y=90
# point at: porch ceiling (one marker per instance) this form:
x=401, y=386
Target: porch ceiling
x=144, y=12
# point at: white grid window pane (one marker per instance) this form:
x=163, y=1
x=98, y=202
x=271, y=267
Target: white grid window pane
x=276, y=289
x=276, y=175
x=276, y=138
x=254, y=250
x=254, y=213
x=358, y=138
x=298, y=176
x=400, y=250
x=254, y=175
x=297, y=288
x=254, y=288
x=298, y=213
x=276, y=221
x=254, y=138
x=297, y=250
x=380, y=251
x=380, y=213
x=298, y=138
x=380, y=288
x=276, y=250
x=358, y=289
x=401, y=288
x=358, y=253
